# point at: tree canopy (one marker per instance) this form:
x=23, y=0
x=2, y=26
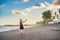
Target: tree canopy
x=47, y=15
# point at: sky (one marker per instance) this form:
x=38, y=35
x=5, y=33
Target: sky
x=12, y=10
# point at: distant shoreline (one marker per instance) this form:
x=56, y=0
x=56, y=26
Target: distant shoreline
x=18, y=25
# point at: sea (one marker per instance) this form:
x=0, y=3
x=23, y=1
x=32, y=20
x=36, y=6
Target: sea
x=8, y=28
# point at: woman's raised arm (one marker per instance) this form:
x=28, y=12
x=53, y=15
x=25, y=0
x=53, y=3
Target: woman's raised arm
x=25, y=20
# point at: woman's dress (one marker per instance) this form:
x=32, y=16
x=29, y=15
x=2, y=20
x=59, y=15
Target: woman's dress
x=21, y=26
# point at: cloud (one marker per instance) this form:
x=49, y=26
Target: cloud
x=3, y=5
x=18, y=13
x=56, y=2
x=34, y=7
x=41, y=5
x=26, y=11
x=25, y=1
x=53, y=6
x=47, y=3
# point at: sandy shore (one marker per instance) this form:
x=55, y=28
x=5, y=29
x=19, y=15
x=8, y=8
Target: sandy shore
x=47, y=32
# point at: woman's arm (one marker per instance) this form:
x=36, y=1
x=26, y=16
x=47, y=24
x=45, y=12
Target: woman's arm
x=25, y=20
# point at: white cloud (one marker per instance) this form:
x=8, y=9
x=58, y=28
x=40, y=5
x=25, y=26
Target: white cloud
x=56, y=2
x=47, y=3
x=53, y=6
x=34, y=7
x=27, y=10
x=41, y=5
x=25, y=0
x=18, y=13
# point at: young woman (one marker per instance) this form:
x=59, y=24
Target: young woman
x=21, y=25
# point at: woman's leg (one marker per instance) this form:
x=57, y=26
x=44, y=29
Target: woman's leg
x=21, y=31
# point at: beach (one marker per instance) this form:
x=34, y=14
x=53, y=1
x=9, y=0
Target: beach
x=46, y=32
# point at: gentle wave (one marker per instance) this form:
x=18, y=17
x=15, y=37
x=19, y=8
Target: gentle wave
x=8, y=28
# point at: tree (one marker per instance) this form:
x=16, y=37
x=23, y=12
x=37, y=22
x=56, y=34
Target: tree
x=47, y=15
x=59, y=11
x=56, y=15
x=53, y=17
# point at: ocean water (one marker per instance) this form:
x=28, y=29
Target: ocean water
x=8, y=28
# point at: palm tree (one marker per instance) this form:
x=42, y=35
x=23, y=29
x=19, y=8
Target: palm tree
x=55, y=13
x=59, y=11
x=57, y=16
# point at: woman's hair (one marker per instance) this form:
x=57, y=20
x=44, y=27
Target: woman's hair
x=20, y=20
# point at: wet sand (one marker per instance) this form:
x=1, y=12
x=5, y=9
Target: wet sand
x=46, y=32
